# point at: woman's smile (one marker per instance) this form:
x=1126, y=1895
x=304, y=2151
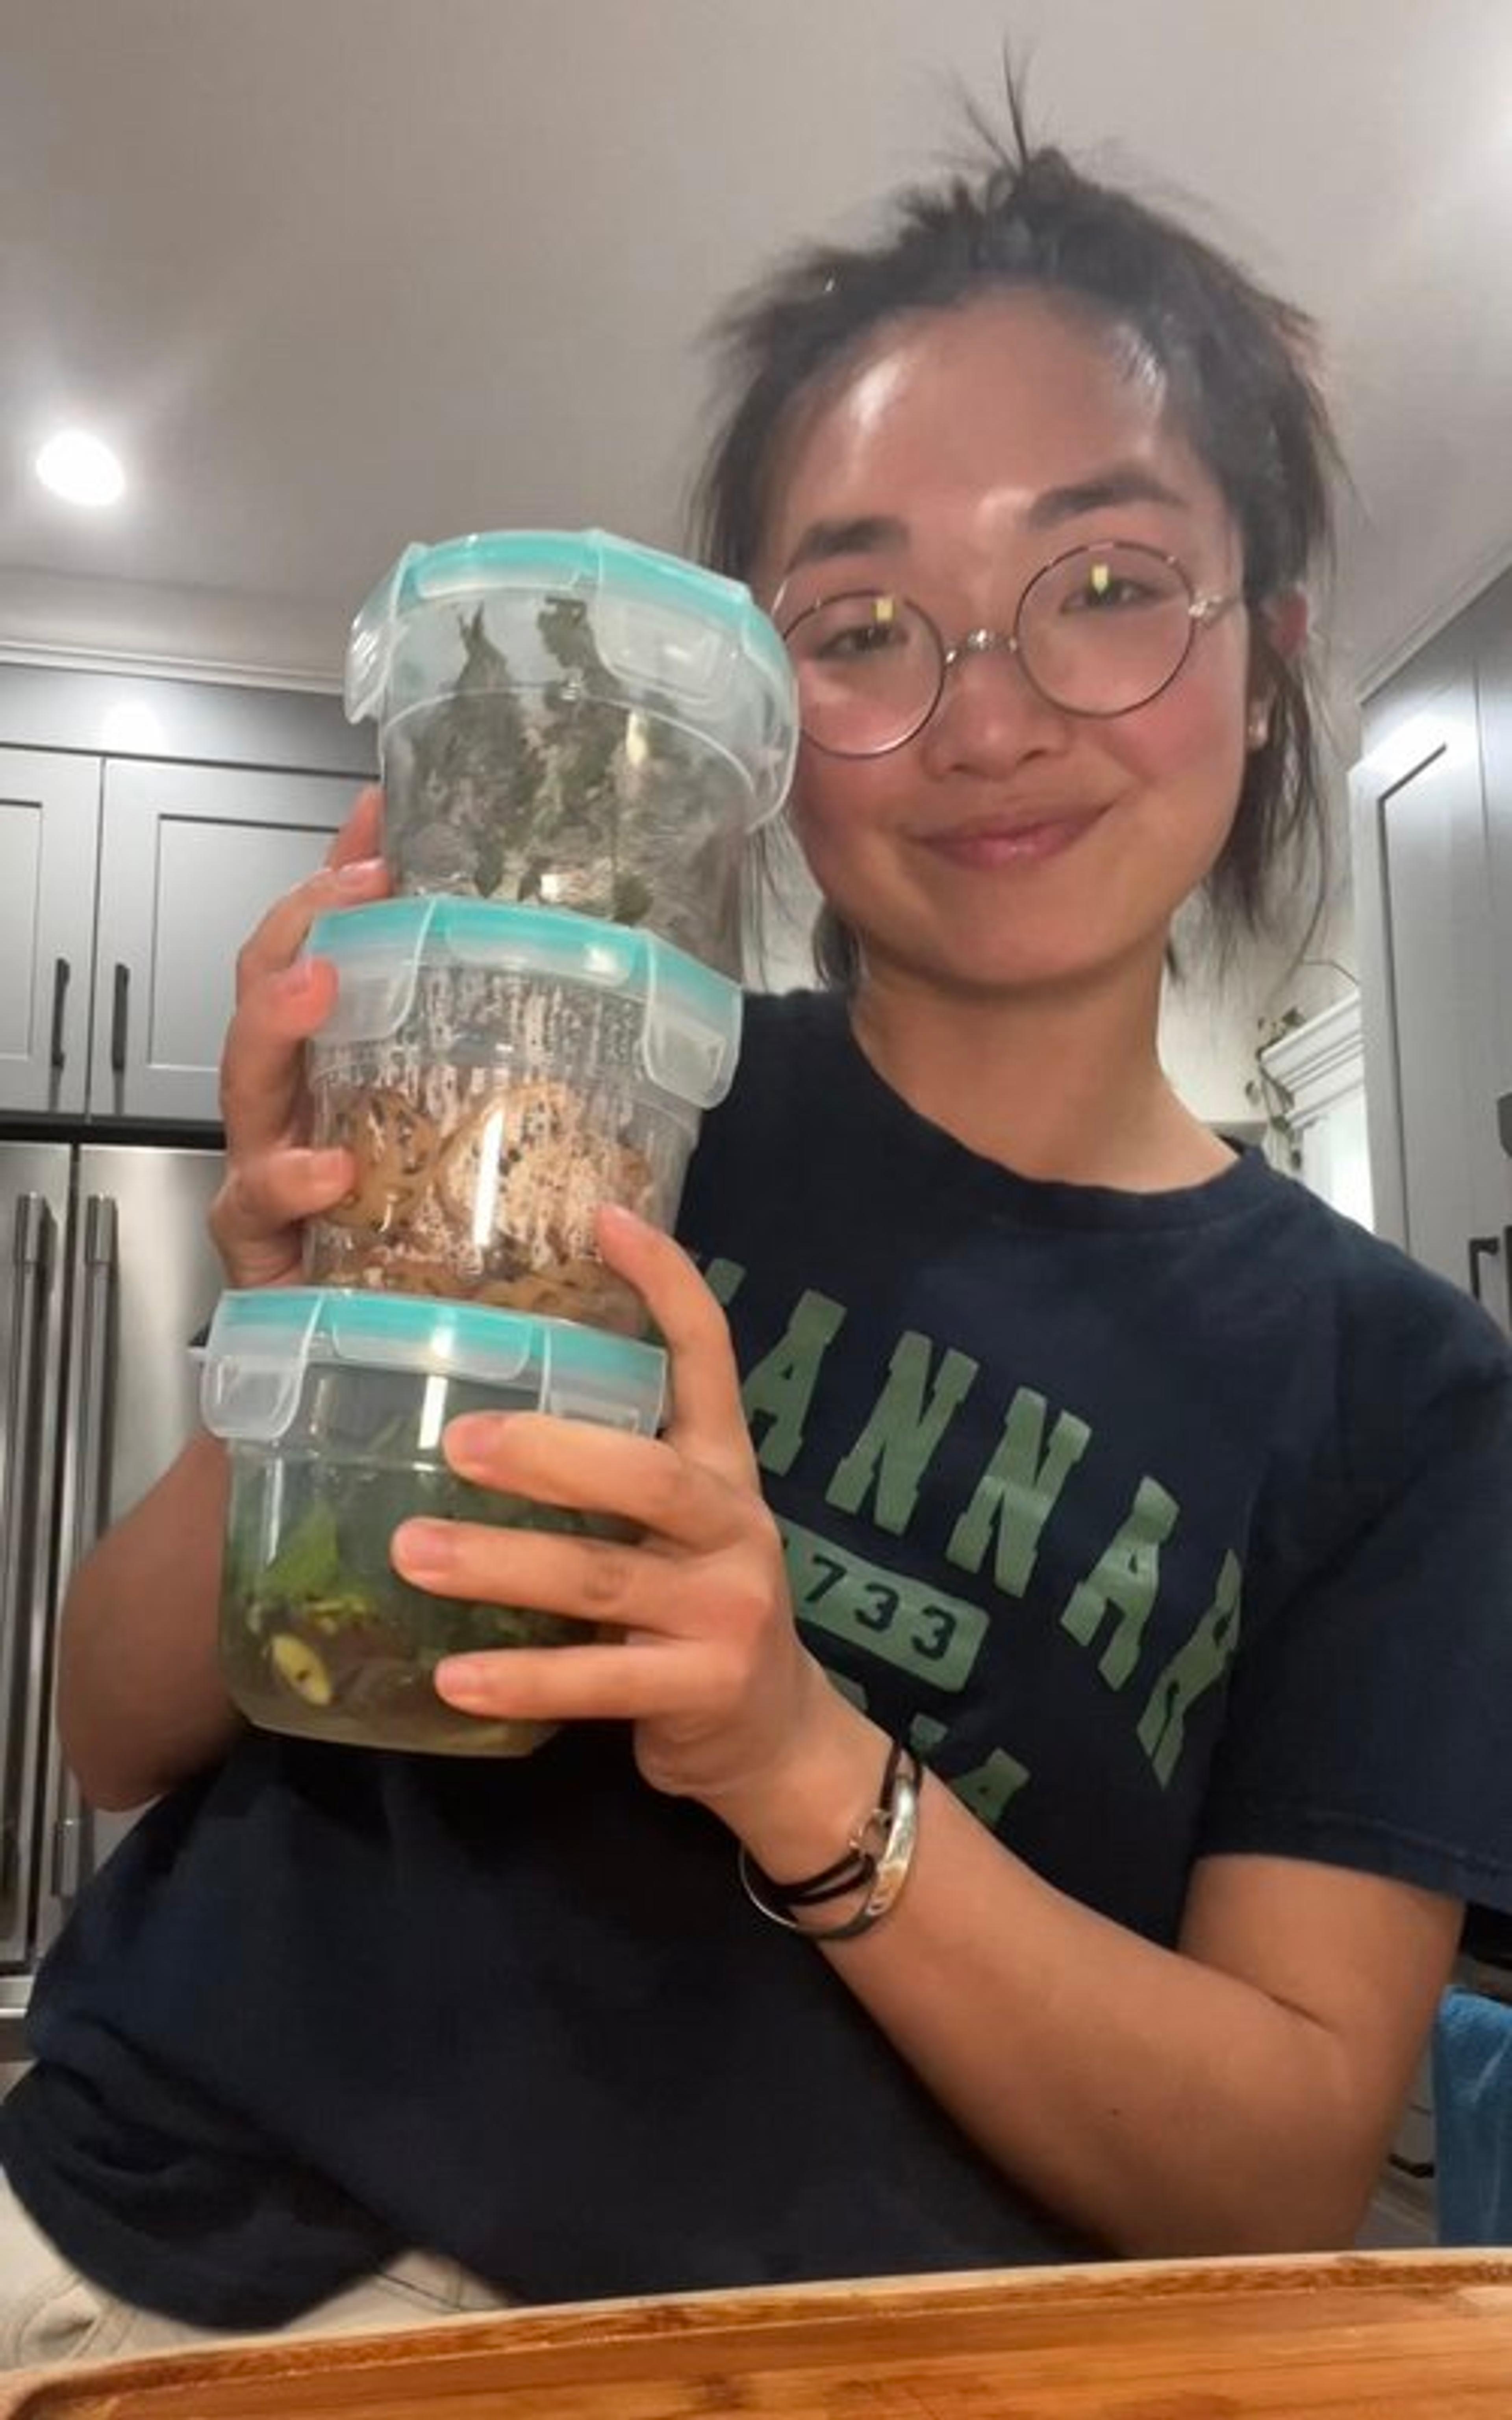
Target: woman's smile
x=1009, y=843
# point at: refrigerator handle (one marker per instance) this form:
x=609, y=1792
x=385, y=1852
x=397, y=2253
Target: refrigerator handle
x=30, y=1248
x=88, y=1454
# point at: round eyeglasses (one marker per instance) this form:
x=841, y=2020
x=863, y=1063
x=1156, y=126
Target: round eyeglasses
x=1099, y=631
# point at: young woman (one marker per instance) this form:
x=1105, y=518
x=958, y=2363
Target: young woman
x=1021, y=1428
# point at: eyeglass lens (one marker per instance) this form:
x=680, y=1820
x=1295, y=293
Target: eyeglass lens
x=1098, y=631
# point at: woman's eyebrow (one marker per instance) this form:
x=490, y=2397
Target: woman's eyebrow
x=1121, y=483
x=871, y=534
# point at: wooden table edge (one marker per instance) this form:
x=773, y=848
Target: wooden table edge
x=769, y=2312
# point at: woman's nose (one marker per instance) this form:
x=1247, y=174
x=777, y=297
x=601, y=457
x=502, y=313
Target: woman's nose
x=990, y=715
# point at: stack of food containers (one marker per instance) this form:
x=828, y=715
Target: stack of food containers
x=577, y=737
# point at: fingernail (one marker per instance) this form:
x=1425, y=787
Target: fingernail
x=470, y=1441
x=360, y=873
x=424, y=1546
x=460, y=1681
x=296, y=980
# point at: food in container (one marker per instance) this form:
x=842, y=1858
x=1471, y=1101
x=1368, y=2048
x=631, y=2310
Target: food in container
x=568, y=718
x=333, y=1408
x=497, y=1074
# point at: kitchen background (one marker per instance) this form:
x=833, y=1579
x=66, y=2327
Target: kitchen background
x=329, y=275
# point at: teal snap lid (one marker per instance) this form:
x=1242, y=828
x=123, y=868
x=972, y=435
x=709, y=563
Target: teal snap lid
x=589, y=564
x=660, y=624
x=690, y=1034
x=262, y=1344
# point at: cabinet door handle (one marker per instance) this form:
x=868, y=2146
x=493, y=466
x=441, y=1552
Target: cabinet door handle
x=119, y=1009
x=1482, y=1247
x=1504, y=1123
x=57, y=1049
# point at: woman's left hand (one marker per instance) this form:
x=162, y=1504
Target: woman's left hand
x=708, y=1666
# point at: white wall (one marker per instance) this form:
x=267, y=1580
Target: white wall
x=212, y=634
x=1214, y=1019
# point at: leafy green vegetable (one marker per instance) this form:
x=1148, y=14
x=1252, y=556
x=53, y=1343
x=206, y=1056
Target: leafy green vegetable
x=308, y=1564
x=596, y=798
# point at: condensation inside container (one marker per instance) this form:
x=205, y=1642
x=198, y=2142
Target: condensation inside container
x=468, y=1014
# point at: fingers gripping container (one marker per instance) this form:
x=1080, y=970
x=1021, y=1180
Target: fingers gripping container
x=334, y=1408
x=497, y=1074
x=568, y=718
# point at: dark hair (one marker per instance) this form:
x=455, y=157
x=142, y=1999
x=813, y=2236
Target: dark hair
x=1239, y=366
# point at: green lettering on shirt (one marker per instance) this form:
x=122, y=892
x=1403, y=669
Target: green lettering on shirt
x=988, y=1786
x=779, y=1389
x=1017, y=1492
x=724, y=1280
x=895, y=1447
x=1191, y=1673
x=1124, y=1580
x=918, y=1629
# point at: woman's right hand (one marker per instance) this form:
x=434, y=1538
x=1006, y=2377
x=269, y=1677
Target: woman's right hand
x=273, y=1180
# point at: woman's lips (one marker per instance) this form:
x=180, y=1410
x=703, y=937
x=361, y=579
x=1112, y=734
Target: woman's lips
x=984, y=847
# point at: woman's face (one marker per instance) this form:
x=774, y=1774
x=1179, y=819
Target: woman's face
x=1010, y=844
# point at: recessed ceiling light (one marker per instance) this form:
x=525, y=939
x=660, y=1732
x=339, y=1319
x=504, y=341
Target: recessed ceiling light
x=80, y=467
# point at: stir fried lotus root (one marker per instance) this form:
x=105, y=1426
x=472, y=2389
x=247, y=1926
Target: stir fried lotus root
x=485, y=1187
x=393, y=1144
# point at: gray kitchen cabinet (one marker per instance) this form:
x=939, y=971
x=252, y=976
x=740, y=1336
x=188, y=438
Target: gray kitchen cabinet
x=1433, y=832
x=49, y=838
x=1432, y=850
x=1495, y=699
x=130, y=873
x=190, y=856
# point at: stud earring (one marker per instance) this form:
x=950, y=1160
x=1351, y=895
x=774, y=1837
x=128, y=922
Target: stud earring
x=1258, y=729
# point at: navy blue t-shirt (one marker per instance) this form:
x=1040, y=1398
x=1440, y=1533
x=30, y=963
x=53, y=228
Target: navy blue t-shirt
x=1162, y=1526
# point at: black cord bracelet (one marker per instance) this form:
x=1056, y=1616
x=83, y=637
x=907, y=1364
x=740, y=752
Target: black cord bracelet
x=851, y=1873
x=880, y=1873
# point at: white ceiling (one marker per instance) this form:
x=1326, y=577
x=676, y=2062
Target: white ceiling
x=337, y=273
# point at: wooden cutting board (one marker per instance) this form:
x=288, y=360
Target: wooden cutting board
x=1358, y=2336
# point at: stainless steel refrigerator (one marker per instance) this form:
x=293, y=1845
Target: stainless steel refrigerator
x=107, y=1274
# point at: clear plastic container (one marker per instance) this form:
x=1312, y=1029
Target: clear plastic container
x=498, y=1072
x=334, y=1408
x=569, y=719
